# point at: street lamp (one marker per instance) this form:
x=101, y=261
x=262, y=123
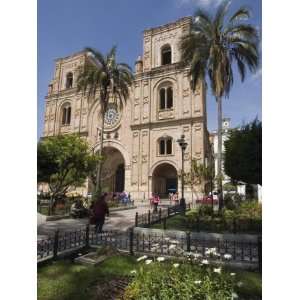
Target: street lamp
x=183, y=144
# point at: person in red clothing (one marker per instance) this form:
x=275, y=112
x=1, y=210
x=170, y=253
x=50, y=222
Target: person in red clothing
x=155, y=202
x=100, y=209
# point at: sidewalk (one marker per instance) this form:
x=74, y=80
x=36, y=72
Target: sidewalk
x=119, y=220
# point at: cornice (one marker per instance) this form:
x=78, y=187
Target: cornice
x=168, y=26
x=177, y=122
x=175, y=67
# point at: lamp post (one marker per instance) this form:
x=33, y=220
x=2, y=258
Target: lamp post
x=183, y=144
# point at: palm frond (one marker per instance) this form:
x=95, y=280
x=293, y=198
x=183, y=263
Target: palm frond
x=242, y=13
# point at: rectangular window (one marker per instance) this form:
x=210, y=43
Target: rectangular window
x=169, y=146
x=162, y=147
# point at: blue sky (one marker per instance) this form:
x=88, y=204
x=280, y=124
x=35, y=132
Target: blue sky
x=67, y=26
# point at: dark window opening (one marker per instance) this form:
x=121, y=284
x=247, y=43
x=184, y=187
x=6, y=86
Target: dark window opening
x=165, y=146
x=162, y=99
x=66, y=116
x=169, y=146
x=69, y=81
x=162, y=147
x=166, y=56
x=169, y=97
x=166, y=98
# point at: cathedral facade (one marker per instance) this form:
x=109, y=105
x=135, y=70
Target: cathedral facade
x=140, y=133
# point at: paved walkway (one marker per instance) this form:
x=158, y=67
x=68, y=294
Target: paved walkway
x=119, y=220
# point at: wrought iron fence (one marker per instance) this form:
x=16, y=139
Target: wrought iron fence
x=149, y=218
x=243, y=249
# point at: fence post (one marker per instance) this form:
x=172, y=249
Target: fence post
x=87, y=236
x=55, y=244
x=131, y=241
x=159, y=215
x=165, y=223
x=234, y=225
x=136, y=219
x=188, y=241
x=259, y=250
x=148, y=217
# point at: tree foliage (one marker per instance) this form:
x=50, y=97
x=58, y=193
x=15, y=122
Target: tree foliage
x=199, y=174
x=243, y=151
x=64, y=161
x=215, y=43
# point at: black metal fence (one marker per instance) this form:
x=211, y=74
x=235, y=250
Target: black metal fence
x=149, y=218
x=155, y=242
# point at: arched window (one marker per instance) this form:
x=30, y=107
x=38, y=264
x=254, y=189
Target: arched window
x=166, y=55
x=165, y=146
x=66, y=115
x=69, y=80
x=165, y=98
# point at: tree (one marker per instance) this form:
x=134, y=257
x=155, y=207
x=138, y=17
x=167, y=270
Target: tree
x=199, y=174
x=64, y=161
x=111, y=79
x=243, y=151
x=211, y=49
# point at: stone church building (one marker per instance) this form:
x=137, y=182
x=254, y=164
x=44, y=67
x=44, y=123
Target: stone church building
x=140, y=133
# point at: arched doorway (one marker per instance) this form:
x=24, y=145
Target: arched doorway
x=113, y=171
x=164, y=180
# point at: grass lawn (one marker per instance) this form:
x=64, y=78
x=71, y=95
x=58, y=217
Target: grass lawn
x=64, y=280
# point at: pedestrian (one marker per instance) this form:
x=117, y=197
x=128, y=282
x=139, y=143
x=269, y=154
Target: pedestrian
x=100, y=209
x=176, y=199
x=155, y=202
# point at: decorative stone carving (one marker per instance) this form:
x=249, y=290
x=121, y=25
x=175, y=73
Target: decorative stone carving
x=169, y=114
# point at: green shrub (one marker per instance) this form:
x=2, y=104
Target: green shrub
x=205, y=210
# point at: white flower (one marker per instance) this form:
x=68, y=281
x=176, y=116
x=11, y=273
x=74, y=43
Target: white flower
x=228, y=256
x=232, y=274
x=148, y=261
x=142, y=258
x=133, y=272
x=167, y=239
x=160, y=259
x=239, y=284
x=197, y=281
x=205, y=262
x=175, y=265
x=234, y=295
x=172, y=247
x=197, y=255
x=217, y=270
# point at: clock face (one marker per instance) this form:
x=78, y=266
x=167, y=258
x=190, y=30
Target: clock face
x=111, y=117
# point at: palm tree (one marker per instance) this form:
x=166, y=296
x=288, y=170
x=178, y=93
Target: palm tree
x=211, y=48
x=111, y=79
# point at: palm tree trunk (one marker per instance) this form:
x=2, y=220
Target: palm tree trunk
x=219, y=165
x=99, y=169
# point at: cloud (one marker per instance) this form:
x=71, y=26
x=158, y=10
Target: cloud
x=202, y=3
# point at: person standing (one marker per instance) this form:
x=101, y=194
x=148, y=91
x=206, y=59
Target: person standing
x=155, y=202
x=100, y=210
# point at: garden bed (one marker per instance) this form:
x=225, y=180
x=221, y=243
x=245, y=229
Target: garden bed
x=244, y=219
x=115, y=278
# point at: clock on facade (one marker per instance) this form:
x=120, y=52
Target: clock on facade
x=112, y=116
